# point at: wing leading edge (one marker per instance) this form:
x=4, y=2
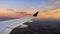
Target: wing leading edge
x=7, y=26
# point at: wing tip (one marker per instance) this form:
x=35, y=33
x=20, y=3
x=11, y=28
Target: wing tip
x=36, y=13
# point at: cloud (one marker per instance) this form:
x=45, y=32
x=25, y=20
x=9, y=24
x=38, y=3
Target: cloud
x=57, y=4
x=50, y=14
x=51, y=4
x=12, y=13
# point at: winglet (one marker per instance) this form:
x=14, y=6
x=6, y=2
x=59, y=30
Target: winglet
x=36, y=13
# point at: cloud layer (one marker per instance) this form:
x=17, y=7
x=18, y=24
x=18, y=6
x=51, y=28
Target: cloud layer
x=47, y=5
x=48, y=14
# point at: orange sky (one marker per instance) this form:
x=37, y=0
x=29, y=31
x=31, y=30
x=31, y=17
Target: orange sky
x=49, y=14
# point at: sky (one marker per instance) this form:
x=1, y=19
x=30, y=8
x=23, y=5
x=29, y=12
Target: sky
x=22, y=8
x=48, y=9
x=31, y=4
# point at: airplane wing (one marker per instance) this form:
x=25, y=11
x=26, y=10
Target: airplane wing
x=7, y=26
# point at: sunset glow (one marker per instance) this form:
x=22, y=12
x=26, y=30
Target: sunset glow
x=21, y=8
x=49, y=14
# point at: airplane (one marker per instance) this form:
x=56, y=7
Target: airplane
x=7, y=26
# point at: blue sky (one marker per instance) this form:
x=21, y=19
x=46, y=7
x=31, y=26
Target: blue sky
x=23, y=4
